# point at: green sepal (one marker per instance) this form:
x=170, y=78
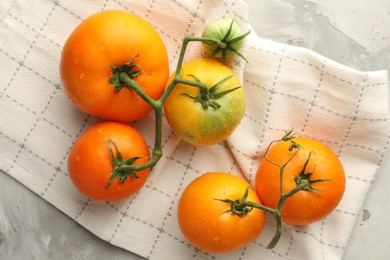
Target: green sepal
x=240, y=206
x=130, y=68
x=304, y=178
x=122, y=168
x=208, y=97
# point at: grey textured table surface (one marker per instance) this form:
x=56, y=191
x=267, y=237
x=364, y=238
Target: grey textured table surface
x=335, y=29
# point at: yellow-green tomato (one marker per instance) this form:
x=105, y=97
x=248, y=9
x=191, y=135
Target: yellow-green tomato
x=201, y=122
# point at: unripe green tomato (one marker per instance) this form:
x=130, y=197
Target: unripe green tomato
x=217, y=29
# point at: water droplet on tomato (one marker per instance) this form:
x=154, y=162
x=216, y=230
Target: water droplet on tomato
x=216, y=238
x=102, y=48
x=82, y=76
x=100, y=131
x=77, y=158
x=76, y=61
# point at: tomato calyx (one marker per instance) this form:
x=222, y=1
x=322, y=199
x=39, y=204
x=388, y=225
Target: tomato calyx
x=122, y=168
x=208, y=97
x=131, y=69
x=242, y=207
x=304, y=181
x=239, y=207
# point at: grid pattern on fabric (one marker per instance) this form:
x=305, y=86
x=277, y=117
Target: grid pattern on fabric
x=285, y=86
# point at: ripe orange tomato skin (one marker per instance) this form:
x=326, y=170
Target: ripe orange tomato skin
x=189, y=120
x=304, y=207
x=204, y=221
x=113, y=38
x=90, y=163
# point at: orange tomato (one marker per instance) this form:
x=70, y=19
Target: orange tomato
x=206, y=221
x=306, y=206
x=113, y=38
x=90, y=163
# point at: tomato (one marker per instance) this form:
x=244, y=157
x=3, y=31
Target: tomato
x=226, y=31
x=323, y=170
x=205, y=220
x=189, y=119
x=90, y=163
x=111, y=39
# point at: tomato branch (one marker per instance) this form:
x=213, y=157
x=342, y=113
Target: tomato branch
x=124, y=77
x=157, y=106
x=303, y=181
x=241, y=206
x=133, y=85
x=177, y=77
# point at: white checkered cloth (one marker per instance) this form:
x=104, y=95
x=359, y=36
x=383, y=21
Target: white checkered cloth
x=285, y=86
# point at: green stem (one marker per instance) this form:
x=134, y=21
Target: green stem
x=132, y=84
x=279, y=230
x=191, y=83
x=157, y=150
x=177, y=77
x=260, y=206
x=278, y=215
x=282, y=170
x=157, y=105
